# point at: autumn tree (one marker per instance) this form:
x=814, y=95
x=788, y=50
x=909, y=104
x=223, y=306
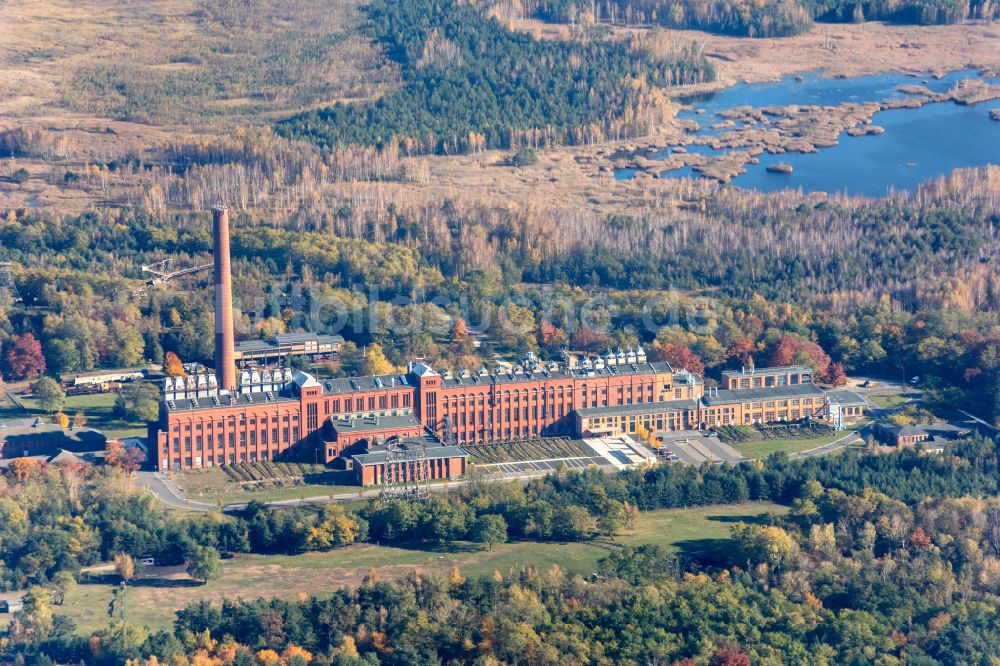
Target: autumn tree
x=124, y=566
x=23, y=358
x=375, y=362
x=766, y=544
x=335, y=528
x=741, y=350
x=22, y=468
x=680, y=356
x=459, y=331
x=729, y=656
x=836, y=376
x=126, y=458
x=919, y=539
x=60, y=420
x=173, y=366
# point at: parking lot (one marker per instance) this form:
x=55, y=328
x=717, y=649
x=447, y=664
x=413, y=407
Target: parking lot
x=694, y=448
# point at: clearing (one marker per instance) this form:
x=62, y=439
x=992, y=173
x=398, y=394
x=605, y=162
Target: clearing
x=699, y=532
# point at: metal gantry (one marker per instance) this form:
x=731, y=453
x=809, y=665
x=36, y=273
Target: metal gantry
x=7, y=282
x=160, y=276
x=407, y=472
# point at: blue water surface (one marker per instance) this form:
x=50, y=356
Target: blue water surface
x=918, y=144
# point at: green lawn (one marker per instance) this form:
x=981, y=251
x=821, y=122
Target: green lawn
x=888, y=400
x=765, y=447
x=700, y=532
x=98, y=407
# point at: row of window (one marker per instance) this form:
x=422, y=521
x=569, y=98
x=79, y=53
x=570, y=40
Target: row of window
x=769, y=381
x=350, y=405
x=288, y=436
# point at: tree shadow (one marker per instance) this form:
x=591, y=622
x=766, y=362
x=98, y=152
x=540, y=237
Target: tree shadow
x=115, y=580
x=707, y=551
x=330, y=478
x=165, y=582
x=750, y=518
x=435, y=547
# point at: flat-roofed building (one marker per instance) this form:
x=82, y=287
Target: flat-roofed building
x=443, y=462
x=932, y=434
x=313, y=345
x=787, y=402
x=347, y=431
x=758, y=378
x=26, y=438
x=845, y=404
x=626, y=419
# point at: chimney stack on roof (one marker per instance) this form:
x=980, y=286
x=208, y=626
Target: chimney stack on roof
x=225, y=357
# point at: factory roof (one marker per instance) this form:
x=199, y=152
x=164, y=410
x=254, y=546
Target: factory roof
x=554, y=371
x=253, y=345
x=34, y=430
x=750, y=372
x=376, y=455
x=228, y=400
x=304, y=380
x=287, y=340
x=366, y=383
x=403, y=381
x=292, y=338
x=938, y=429
x=846, y=398
x=374, y=423
x=637, y=408
x=728, y=396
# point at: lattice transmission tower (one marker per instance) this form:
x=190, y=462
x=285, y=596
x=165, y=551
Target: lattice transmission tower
x=407, y=472
x=7, y=285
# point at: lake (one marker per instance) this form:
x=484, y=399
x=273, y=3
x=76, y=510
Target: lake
x=918, y=144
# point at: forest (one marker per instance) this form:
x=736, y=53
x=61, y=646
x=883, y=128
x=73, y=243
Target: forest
x=470, y=84
x=851, y=575
x=772, y=18
x=901, y=286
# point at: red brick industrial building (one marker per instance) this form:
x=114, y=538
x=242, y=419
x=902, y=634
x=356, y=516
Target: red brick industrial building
x=314, y=420
x=265, y=414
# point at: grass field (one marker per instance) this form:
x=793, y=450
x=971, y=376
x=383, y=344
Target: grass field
x=177, y=61
x=210, y=484
x=700, y=532
x=98, y=408
x=888, y=400
x=764, y=448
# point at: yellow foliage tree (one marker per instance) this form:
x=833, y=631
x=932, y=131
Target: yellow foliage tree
x=60, y=420
x=293, y=651
x=347, y=647
x=268, y=658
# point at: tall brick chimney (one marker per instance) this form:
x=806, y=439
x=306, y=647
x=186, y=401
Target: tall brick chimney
x=225, y=361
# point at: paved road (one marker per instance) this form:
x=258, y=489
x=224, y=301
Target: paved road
x=986, y=427
x=167, y=492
